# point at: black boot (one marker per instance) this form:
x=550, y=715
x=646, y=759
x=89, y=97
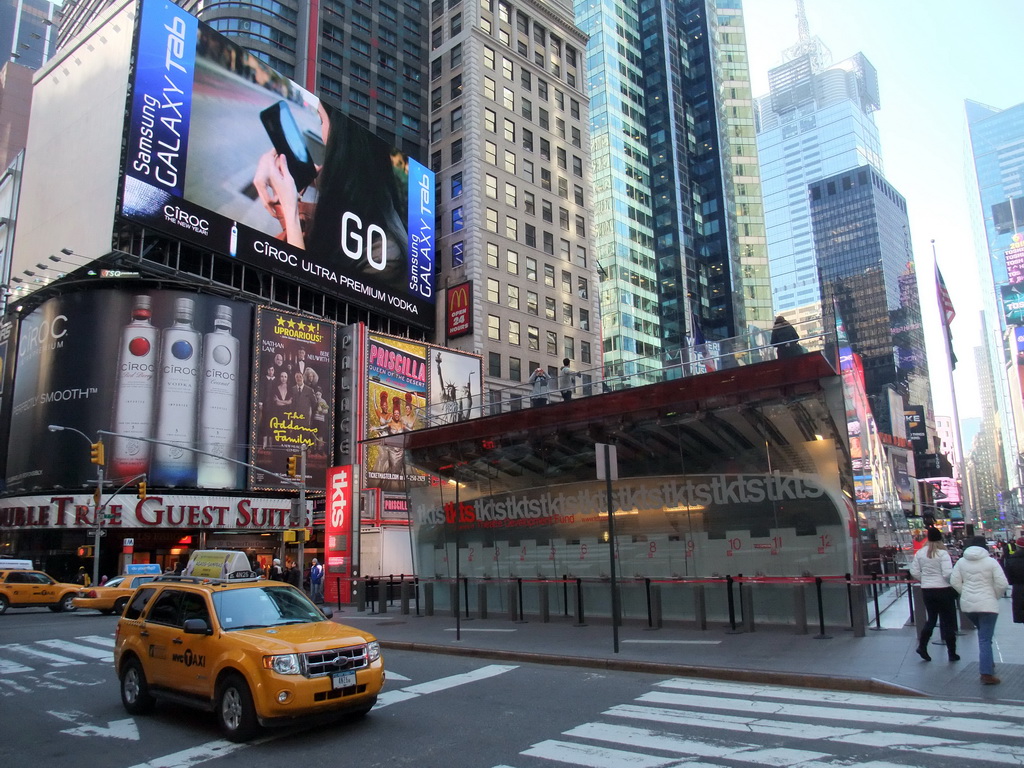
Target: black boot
x=951, y=650
x=922, y=649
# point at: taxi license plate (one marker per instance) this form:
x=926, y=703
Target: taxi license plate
x=343, y=679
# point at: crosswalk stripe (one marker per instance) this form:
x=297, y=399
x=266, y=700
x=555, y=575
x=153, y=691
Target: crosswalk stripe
x=52, y=658
x=594, y=757
x=12, y=667
x=106, y=642
x=972, y=726
x=874, y=701
x=668, y=742
x=81, y=650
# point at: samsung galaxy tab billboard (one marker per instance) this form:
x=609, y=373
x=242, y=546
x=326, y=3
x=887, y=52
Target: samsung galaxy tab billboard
x=229, y=154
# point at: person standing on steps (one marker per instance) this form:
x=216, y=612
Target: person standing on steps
x=932, y=567
x=980, y=581
x=566, y=380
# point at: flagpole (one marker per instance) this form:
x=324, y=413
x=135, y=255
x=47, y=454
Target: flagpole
x=958, y=447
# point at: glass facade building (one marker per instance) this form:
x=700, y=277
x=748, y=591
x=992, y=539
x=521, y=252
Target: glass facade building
x=816, y=121
x=678, y=223
x=866, y=263
x=996, y=145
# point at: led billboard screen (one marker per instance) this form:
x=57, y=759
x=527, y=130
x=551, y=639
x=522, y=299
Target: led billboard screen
x=164, y=370
x=228, y=154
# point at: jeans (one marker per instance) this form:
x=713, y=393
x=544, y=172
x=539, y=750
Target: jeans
x=317, y=590
x=940, y=605
x=986, y=624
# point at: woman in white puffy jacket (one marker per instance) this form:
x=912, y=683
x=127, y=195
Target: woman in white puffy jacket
x=932, y=567
x=981, y=582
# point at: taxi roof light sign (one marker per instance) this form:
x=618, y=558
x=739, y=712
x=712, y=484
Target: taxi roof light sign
x=16, y=565
x=217, y=564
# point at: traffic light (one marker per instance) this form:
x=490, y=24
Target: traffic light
x=291, y=537
x=85, y=550
x=96, y=455
x=293, y=466
x=142, y=490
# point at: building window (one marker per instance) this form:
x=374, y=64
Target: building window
x=507, y=69
x=510, y=131
x=528, y=170
x=435, y=97
x=549, y=276
x=510, y=194
x=568, y=317
x=582, y=287
x=531, y=236
x=435, y=130
x=456, y=119
x=491, y=186
x=513, y=332
x=545, y=210
x=549, y=243
x=490, y=121
x=456, y=24
x=489, y=88
x=532, y=306
x=527, y=140
x=457, y=151
x=512, y=295
x=455, y=56
x=491, y=217
x=577, y=166
x=458, y=253
x=585, y=352
x=515, y=370
x=584, y=319
x=581, y=227
x=494, y=368
x=488, y=57
x=552, y=342
x=493, y=290
x=526, y=109
x=577, y=138
x=531, y=269
x=529, y=203
x=508, y=99
x=549, y=308
x=455, y=87
x=563, y=219
x=492, y=255
x=569, y=345
x=512, y=262
x=533, y=338
x=457, y=222
x=456, y=184
x=490, y=152
x=511, y=228
x=577, y=192
x=510, y=161
x=494, y=328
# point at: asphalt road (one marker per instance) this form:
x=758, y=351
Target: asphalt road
x=59, y=706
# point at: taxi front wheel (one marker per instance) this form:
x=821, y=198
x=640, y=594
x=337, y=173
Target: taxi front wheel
x=3, y=605
x=235, y=710
x=135, y=694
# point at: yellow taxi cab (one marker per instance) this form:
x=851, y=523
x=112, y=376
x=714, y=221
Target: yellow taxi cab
x=23, y=587
x=254, y=652
x=113, y=596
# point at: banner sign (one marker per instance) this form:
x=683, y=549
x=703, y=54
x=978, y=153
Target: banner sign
x=459, y=316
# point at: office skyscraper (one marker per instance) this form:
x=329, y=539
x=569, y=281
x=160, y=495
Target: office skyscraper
x=510, y=147
x=996, y=138
x=817, y=120
x=677, y=215
x=862, y=240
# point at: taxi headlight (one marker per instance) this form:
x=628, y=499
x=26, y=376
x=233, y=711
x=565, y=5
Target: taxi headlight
x=286, y=664
x=373, y=651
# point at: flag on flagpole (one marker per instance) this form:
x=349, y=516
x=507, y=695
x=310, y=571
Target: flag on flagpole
x=948, y=313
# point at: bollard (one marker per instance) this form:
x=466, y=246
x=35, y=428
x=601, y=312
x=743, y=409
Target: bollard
x=858, y=609
x=428, y=598
x=650, y=615
x=416, y=593
x=565, y=594
x=382, y=596
x=481, y=599
x=406, y=591
x=544, y=600
x=800, y=609
x=849, y=598
x=821, y=612
x=732, y=603
x=520, y=603
x=513, y=606
x=700, y=607
x=371, y=595
x=655, y=614
x=579, y=604
x=747, y=606
x=465, y=593
x=910, y=596
x=360, y=595
x=337, y=583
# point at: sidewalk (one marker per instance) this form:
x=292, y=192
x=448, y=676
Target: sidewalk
x=881, y=662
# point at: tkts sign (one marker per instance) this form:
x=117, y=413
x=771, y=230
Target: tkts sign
x=338, y=528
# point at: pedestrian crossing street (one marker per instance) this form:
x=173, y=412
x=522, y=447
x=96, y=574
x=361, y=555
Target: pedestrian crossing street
x=697, y=723
x=22, y=664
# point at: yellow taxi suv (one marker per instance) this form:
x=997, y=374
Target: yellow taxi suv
x=113, y=596
x=22, y=587
x=253, y=652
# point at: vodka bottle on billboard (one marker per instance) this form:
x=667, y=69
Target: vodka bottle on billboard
x=218, y=405
x=175, y=465
x=133, y=398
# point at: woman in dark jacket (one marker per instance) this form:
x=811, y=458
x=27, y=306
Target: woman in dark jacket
x=1014, y=567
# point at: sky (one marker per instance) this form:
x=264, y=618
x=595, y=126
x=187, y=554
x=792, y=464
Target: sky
x=931, y=55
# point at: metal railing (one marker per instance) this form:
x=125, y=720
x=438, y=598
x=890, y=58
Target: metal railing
x=751, y=348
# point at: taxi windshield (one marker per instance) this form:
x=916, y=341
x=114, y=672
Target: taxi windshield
x=115, y=582
x=257, y=607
